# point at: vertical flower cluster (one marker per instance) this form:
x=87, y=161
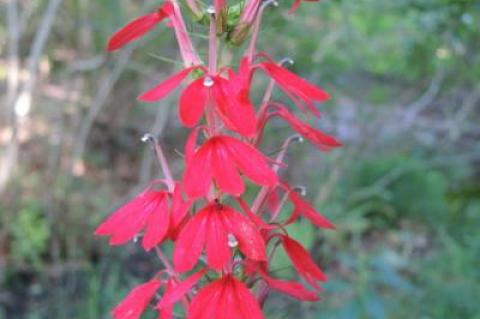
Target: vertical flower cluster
x=223, y=245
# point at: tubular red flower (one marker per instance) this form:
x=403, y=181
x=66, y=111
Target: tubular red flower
x=297, y=88
x=303, y=208
x=323, y=141
x=138, y=27
x=234, y=108
x=222, y=158
x=136, y=301
x=176, y=291
x=225, y=298
x=164, y=88
x=149, y=211
x=289, y=287
x=303, y=262
x=231, y=103
x=142, y=25
x=210, y=229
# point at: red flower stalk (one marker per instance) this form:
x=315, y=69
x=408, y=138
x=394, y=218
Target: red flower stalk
x=136, y=301
x=217, y=102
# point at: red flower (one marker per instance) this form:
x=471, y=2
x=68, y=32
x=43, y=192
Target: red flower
x=221, y=158
x=148, y=210
x=291, y=288
x=297, y=88
x=303, y=262
x=216, y=227
x=225, y=298
x=323, y=141
x=303, y=208
x=138, y=27
x=176, y=291
x=231, y=104
x=136, y=301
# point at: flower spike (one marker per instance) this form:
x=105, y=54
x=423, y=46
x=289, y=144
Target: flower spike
x=222, y=245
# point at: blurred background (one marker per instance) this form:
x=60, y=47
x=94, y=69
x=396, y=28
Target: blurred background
x=404, y=191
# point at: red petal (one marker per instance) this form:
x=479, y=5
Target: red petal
x=134, y=30
x=250, y=161
x=192, y=102
x=293, y=84
x=205, y=304
x=191, y=144
x=157, y=224
x=291, y=288
x=296, y=83
x=225, y=173
x=190, y=242
x=180, y=207
x=179, y=290
x=166, y=312
x=303, y=262
x=198, y=173
x=246, y=302
x=295, y=6
x=127, y=221
x=321, y=140
x=303, y=208
x=136, y=301
x=254, y=218
x=235, y=108
x=218, y=252
x=164, y=88
x=250, y=240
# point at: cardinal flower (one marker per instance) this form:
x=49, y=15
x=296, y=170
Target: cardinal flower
x=303, y=262
x=218, y=228
x=297, y=88
x=303, y=208
x=234, y=107
x=136, y=301
x=139, y=27
x=175, y=291
x=221, y=159
x=288, y=287
x=142, y=25
x=150, y=211
x=225, y=298
x=323, y=141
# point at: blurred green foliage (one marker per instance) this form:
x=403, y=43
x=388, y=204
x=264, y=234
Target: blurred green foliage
x=30, y=233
